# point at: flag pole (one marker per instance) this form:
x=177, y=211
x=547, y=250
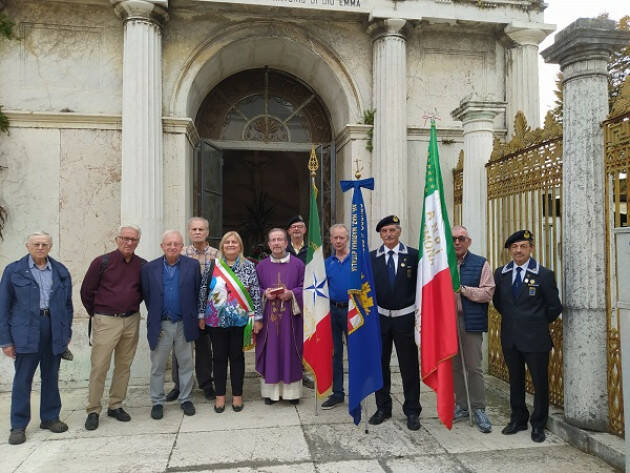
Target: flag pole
x=313, y=165
x=365, y=417
x=465, y=372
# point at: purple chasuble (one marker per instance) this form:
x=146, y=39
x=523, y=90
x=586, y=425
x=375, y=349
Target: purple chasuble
x=279, y=343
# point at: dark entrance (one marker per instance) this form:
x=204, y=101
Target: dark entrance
x=258, y=127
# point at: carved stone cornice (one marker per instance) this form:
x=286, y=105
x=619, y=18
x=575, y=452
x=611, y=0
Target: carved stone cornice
x=528, y=34
x=153, y=11
x=387, y=27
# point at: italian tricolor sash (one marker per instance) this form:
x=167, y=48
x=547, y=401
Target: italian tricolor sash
x=227, y=292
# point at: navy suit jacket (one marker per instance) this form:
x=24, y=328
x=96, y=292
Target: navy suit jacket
x=525, y=319
x=153, y=294
x=19, y=307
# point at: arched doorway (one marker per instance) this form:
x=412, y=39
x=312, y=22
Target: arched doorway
x=257, y=129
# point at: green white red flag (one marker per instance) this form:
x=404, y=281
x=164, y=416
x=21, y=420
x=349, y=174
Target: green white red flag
x=318, y=345
x=438, y=278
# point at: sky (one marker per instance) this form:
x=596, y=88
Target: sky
x=561, y=13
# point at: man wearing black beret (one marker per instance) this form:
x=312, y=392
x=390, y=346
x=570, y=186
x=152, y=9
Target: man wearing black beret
x=395, y=267
x=526, y=296
x=296, y=228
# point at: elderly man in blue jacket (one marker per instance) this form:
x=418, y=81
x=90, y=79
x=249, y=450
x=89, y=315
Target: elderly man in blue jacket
x=170, y=287
x=35, y=329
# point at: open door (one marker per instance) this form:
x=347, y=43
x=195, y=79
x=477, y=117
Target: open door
x=209, y=189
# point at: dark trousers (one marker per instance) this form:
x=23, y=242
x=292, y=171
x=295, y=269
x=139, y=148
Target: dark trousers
x=25, y=366
x=228, y=345
x=203, y=363
x=400, y=332
x=538, y=363
x=339, y=323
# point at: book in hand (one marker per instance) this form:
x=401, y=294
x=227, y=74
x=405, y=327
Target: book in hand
x=276, y=291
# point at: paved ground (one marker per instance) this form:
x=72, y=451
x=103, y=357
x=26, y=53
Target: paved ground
x=279, y=438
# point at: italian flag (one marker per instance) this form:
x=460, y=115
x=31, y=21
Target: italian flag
x=318, y=345
x=438, y=278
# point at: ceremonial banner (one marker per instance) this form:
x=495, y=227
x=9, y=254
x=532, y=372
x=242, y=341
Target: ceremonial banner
x=436, y=332
x=364, y=330
x=318, y=344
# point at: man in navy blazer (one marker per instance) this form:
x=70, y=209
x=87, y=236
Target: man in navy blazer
x=526, y=296
x=170, y=287
x=35, y=329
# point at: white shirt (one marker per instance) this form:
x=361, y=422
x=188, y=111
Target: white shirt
x=523, y=267
x=395, y=256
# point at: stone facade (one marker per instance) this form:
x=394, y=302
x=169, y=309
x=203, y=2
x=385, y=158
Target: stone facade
x=89, y=145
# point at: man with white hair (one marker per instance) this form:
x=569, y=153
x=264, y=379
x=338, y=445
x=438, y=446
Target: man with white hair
x=198, y=231
x=170, y=286
x=111, y=294
x=35, y=329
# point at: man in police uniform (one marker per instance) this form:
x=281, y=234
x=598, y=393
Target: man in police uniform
x=526, y=296
x=395, y=268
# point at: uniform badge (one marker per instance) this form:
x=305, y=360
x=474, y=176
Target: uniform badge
x=532, y=291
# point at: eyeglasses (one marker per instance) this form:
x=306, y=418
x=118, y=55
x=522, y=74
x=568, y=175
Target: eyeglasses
x=460, y=239
x=128, y=239
x=39, y=245
x=295, y=227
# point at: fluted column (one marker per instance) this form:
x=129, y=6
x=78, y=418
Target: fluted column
x=389, y=154
x=582, y=49
x=521, y=83
x=142, y=195
x=477, y=117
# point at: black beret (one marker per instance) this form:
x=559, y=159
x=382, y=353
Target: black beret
x=521, y=235
x=389, y=220
x=296, y=219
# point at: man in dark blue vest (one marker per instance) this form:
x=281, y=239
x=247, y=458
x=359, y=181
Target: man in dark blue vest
x=477, y=288
x=526, y=296
x=395, y=269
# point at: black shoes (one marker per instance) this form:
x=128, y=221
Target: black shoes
x=91, y=423
x=17, y=436
x=188, y=408
x=55, y=426
x=513, y=427
x=172, y=395
x=209, y=393
x=308, y=381
x=237, y=408
x=413, y=422
x=538, y=434
x=269, y=401
x=219, y=409
x=118, y=414
x=157, y=412
x=379, y=416
x=331, y=402
x=295, y=402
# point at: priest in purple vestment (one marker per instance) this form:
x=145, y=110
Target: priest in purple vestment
x=279, y=334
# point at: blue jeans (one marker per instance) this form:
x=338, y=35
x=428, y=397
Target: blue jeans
x=25, y=366
x=339, y=322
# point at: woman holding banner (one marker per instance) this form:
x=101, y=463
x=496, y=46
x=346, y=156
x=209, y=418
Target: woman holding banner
x=229, y=302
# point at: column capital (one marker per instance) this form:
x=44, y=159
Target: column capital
x=585, y=39
x=528, y=34
x=153, y=11
x=475, y=109
x=380, y=28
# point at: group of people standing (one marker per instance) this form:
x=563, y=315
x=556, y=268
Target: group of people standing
x=219, y=301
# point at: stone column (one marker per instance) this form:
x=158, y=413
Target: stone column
x=521, y=83
x=582, y=50
x=142, y=185
x=389, y=154
x=477, y=118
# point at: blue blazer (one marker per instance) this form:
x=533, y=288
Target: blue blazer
x=19, y=308
x=153, y=294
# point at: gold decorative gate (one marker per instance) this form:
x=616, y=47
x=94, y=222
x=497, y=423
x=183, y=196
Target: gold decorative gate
x=617, y=167
x=458, y=189
x=524, y=191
